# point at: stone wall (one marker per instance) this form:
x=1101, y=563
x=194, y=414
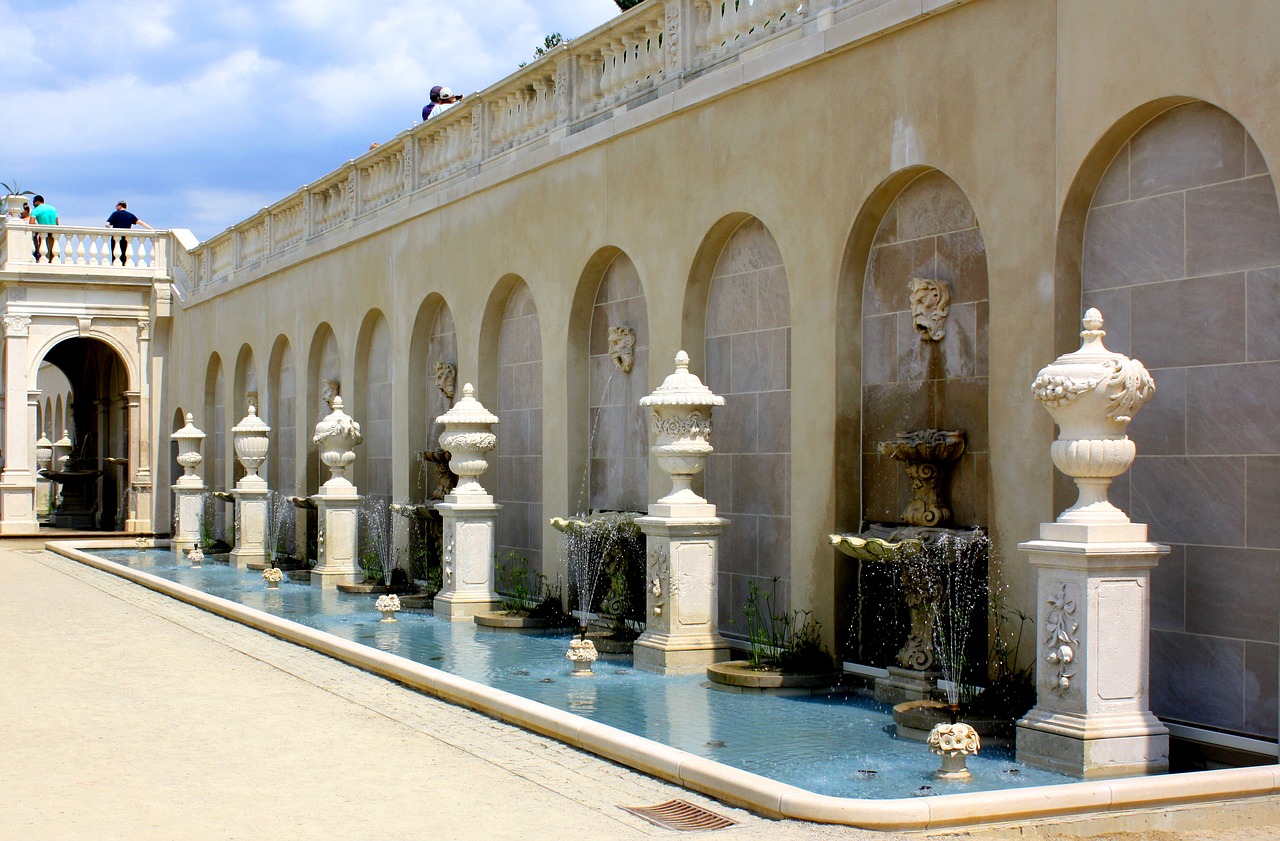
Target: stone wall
x=518, y=488
x=1182, y=256
x=619, y=444
x=748, y=362
x=374, y=378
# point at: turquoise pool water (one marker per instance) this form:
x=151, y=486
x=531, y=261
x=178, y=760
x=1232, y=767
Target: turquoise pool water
x=837, y=745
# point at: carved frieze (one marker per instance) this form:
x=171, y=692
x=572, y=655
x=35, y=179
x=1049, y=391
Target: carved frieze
x=692, y=425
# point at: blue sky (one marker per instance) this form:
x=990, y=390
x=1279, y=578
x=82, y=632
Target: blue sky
x=200, y=113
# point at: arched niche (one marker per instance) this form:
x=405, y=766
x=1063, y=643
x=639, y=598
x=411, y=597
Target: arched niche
x=280, y=412
x=746, y=331
x=216, y=444
x=433, y=388
x=609, y=352
x=1180, y=250
x=513, y=341
x=373, y=405
x=244, y=391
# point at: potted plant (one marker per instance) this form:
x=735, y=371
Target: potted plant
x=528, y=602
x=14, y=198
x=784, y=649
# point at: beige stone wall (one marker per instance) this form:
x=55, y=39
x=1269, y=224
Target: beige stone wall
x=1022, y=104
x=1182, y=256
x=375, y=370
x=281, y=416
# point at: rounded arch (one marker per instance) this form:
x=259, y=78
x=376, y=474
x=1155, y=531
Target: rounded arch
x=244, y=391
x=373, y=391
x=1177, y=243
x=512, y=352
x=432, y=389
x=217, y=454
x=607, y=441
x=738, y=309
x=280, y=412
x=127, y=355
x=907, y=363
x=1072, y=216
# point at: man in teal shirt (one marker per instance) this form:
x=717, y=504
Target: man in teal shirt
x=43, y=214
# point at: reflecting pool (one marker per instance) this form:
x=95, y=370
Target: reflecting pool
x=839, y=745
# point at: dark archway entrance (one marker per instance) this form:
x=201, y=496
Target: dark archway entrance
x=93, y=473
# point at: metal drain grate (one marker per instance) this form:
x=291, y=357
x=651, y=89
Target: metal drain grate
x=681, y=816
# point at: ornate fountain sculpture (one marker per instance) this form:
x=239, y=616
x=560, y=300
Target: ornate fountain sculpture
x=926, y=453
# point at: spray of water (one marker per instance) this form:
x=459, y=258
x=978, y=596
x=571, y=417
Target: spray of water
x=375, y=534
x=961, y=561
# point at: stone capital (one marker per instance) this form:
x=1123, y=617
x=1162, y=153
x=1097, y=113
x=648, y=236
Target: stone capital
x=17, y=325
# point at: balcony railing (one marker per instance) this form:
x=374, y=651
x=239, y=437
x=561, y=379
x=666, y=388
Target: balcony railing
x=651, y=49
x=71, y=249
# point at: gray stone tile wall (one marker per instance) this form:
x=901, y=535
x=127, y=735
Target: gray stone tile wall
x=929, y=232
x=1182, y=255
x=282, y=404
x=748, y=361
x=619, y=446
x=374, y=413
x=442, y=346
x=518, y=459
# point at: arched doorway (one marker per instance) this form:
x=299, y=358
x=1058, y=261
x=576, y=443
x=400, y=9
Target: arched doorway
x=93, y=472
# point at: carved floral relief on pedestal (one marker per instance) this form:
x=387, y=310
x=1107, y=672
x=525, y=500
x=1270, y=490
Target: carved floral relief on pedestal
x=930, y=305
x=659, y=572
x=1059, y=637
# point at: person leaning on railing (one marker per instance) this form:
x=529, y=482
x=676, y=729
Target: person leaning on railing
x=122, y=218
x=42, y=214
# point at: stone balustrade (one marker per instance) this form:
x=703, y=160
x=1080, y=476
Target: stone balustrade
x=654, y=48
x=25, y=247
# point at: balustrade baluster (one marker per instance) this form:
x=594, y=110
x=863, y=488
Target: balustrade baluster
x=79, y=259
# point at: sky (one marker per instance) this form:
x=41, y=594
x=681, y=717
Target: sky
x=200, y=113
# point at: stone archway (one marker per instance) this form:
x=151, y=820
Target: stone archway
x=95, y=470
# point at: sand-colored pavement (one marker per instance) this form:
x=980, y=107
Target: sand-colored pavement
x=127, y=715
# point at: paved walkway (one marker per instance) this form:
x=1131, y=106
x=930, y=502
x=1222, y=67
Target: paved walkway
x=127, y=715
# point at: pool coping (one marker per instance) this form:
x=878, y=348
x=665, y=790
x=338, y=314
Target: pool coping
x=732, y=785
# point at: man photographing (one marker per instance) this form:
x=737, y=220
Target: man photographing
x=440, y=95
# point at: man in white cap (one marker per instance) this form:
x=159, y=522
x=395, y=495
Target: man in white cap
x=441, y=98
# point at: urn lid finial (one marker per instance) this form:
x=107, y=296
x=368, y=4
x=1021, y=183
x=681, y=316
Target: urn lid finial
x=188, y=432
x=682, y=388
x=251, y=423
x=467, y=410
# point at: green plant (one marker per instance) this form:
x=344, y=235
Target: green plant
x=370, y=565
x=206, y=530
x=1012, y=691
x=514, y=585
x=782, y=640
x=12, y=189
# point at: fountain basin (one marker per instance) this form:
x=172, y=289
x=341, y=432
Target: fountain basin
x=506, y=619
x=915, y=719
x=738, y=675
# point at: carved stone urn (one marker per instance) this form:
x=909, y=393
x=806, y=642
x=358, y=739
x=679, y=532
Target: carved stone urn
x=955, y=743
x=388, y=606
x=1092, y=394
x=195, y=556
x=189, y=439
x=251, y=444
x=468, y=437
x=44, y=453
x=337, y=434
x=681, y=425
x=582, y=653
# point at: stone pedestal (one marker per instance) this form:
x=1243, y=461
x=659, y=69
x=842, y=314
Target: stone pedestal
x=469, y=513
x=470, y=526
x=188, y=507
x=252, y=506
x=681, y=633
x=1093, y=613
x=1091, y=717
x=337, y=517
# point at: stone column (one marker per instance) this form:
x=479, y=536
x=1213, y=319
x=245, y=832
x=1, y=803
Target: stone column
x=682, y=633
x=251, y=493
x=18, y=480
x=1091, y=717
x=189, y=490
x=469, y=512
x=337, y=503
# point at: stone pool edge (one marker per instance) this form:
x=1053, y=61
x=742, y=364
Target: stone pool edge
x=740, y=788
